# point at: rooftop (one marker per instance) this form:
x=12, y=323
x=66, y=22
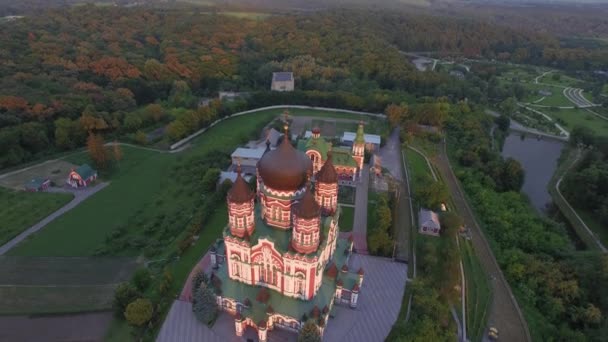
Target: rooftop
x=282, y=76
x=250, y=153
x=318, y=144
x=85, y=171
x=369, y=138
x=426, y=215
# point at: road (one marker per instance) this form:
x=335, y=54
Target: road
x=575, y=95
x=391, y=158
x=79, y=196
x=504, y=313
x=360, y=219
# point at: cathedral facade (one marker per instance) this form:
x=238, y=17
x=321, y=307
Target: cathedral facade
x=281, y=261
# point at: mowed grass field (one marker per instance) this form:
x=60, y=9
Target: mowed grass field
x=572, y=118
x=81, y=230
x=60, y=285
x=21, y=209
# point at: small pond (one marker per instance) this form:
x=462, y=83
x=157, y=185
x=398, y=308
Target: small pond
x=539, y=158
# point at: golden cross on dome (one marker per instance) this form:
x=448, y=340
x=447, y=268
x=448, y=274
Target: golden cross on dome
x=238, y=164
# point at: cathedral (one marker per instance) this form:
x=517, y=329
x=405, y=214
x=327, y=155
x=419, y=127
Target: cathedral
x=281, y=262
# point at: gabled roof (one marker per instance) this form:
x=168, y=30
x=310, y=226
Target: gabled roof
x=318, y=144
x=426, y=215
x=85, y=171
x=35, y=183
x=282, y=76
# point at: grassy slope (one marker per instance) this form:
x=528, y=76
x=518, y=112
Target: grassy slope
x=80, y=231
x=138, y=179
x=20, y=210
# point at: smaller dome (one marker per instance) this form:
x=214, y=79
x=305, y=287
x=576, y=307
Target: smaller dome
x=308, y=207
x=316, y=130
x=240, y=191
x=327, y=174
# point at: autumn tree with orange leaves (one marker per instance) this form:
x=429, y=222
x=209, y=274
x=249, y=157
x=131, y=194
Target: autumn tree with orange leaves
x=98, y=151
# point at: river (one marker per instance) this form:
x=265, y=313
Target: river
x=539, y=160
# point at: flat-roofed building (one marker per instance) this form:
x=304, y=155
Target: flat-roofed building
x=247, y=157
x=282, y=81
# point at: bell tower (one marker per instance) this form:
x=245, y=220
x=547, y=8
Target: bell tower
x=326, y=192
x=241, y=207
x=306, y=224
x=359, y=146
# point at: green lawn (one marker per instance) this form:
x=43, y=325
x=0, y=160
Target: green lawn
x=564, y=80
x=347, y=219
x=571, y=118
x=478, y=292
x=417, y=165
x=24, y=209
x=83, y=229
x=320, y=113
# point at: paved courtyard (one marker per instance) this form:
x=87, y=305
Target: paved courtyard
x=378, y=308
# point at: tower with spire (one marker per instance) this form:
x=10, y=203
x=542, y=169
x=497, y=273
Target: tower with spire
x=359, y=146
x=327, y=187
x=306, y=224
x=240, y=200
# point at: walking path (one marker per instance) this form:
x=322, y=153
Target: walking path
x=79, y=196
x=392, y=159
x=504, y=313
x=591, y=233
x=517, y=127
x=360, y=221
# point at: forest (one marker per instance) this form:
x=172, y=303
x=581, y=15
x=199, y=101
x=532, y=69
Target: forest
x=560, y=289
x=587, y=184
x=126, y=72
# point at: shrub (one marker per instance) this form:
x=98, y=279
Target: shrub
x=309, y=333
x=125, y=293
x=142, y=278
x=139, y=312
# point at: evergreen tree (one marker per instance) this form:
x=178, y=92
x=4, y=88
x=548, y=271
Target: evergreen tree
x=309, y=333
x=205, y=306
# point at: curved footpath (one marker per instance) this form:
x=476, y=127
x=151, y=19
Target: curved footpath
x=504, y=313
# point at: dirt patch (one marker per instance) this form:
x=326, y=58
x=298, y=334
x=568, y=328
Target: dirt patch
x=56, y=170
x=78, y=327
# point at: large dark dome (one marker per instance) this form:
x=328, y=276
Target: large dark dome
x=284, y=168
